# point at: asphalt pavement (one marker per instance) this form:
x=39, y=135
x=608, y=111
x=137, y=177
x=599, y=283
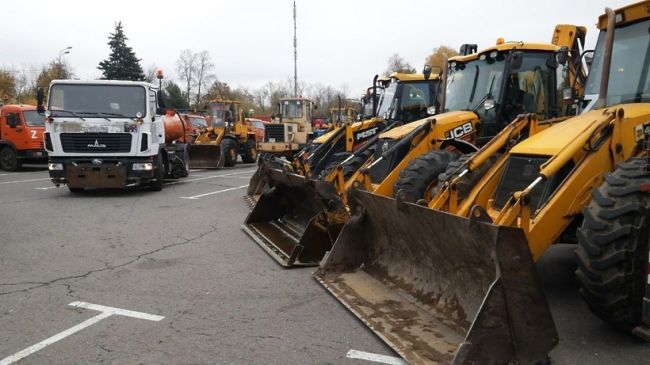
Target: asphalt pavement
x=200, y=291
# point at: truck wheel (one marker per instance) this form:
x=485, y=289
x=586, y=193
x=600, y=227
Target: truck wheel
x=8, y=159
x=229, y=148
x=416, y=178
x=468, y=181
x=612, y=251
x=158, y=173
x=249, y=154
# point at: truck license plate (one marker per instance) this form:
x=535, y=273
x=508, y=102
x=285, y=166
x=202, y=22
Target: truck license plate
x=272, y=140
x=96, y=129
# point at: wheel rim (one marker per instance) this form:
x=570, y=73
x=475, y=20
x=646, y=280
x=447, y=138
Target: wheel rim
x=233, y=154
x=254, y=153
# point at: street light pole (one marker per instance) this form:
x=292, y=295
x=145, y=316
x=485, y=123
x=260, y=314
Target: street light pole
x=59, y=64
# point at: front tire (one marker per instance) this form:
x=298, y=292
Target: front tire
x=9, y=160
x=612, y=248
x=416, y=178
x=229, y=149
x=249, y=154
x=159, y=173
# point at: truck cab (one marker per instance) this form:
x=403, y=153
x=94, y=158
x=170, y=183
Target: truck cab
x=21, y=136
x=111, y=134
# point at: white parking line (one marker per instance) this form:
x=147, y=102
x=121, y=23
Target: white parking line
x=216, y=176
x=369, y=356
x=213, y=192
x=11, y=173
x=105, y=313
x=22, y=181
x=46, y=188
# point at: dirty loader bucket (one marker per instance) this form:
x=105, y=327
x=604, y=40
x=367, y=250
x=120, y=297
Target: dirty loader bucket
x=206, y=156
x=438, y=288
x=289, y=220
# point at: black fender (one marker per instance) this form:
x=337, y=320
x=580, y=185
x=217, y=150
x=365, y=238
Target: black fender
x=460, y=144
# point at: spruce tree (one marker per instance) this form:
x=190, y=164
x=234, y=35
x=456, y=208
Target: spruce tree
x=122, y=64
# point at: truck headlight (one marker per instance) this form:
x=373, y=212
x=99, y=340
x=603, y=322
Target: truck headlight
x=55, y=166
x=145, y=166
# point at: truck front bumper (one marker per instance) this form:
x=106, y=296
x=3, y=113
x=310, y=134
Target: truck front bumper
x=101, y=172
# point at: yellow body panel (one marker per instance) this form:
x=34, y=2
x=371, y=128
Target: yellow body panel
x=403, y=130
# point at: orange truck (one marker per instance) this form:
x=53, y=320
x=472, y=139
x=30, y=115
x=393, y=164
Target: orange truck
x=21, y=136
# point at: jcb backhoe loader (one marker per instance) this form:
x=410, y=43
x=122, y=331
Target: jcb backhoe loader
x=455, y=281
x=298, y=221
x=228, y=136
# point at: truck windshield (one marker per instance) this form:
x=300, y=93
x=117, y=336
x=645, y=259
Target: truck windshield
x=528, y=89
x=292, y=109
x=629, y=76
x=33, y=119
x=470, y=84
x=101, y=100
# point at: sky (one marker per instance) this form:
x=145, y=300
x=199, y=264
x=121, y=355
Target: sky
x=340, y=43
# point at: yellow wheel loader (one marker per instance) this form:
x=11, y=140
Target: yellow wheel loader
x=299, y=220
x=454, y=281
x=228, y=136
x=405, y=98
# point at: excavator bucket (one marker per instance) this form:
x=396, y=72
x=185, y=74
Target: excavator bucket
x=439, y=288
x=206, y=156
x=291, y=219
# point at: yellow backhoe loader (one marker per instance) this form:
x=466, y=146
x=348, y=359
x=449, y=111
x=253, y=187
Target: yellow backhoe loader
x=454, y=281
x=228, y=136
x=299, y=219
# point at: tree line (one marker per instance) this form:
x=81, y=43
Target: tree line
x=196, y=82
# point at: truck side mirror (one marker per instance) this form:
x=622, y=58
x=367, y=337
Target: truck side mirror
x=40, y=98
x=12, y=120
x=161, y=102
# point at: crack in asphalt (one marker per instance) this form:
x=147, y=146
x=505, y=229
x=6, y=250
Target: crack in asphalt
x=41, y=284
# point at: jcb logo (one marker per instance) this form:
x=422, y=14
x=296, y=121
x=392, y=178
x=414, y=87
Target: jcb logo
x=460, y=131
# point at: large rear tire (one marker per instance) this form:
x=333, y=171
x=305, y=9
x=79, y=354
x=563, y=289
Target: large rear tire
x=416, y=178
x=8, y=159
x=612, y=248
x=230, y=150
x=249, y=154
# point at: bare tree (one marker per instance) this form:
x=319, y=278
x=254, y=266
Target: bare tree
x=202, y=72
x=150, y=73
x=397, y=63
x=186, y=69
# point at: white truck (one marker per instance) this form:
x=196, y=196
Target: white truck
x=112, y=134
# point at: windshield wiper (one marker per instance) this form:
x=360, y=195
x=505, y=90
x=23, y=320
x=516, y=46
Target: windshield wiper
x=106, y=115
x=70, y=112
x=489, y=93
